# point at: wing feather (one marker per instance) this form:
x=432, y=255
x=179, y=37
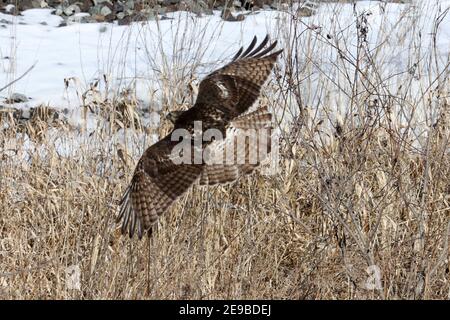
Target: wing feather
x=258, y=49
x=156, y=184
x=236, y=86
x=238, y=54
x=250, y=47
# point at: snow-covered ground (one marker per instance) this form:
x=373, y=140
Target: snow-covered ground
x=152, y=56
x=88, y=51
x=85, y=53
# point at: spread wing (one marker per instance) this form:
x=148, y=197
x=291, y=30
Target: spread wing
x=223, y=96
x=157, y=182
x=247, y=144
x=235, y=87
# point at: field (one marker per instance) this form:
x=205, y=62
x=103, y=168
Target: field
x=358, y=206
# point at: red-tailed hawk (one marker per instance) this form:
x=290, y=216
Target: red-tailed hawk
x=223, y=99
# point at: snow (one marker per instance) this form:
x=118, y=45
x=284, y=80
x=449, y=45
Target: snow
x=81, y=51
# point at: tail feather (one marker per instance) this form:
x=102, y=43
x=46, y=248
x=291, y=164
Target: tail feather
x=249, y=141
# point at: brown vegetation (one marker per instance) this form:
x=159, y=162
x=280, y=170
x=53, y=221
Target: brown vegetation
x=356, y=195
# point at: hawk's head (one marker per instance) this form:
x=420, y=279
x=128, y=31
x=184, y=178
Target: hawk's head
x=173, y=116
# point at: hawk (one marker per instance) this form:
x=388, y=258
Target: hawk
x=223, y=99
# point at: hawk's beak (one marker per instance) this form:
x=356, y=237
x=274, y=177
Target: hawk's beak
x=173, y=116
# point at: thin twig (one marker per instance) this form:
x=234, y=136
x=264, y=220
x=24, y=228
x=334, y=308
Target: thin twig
x=15, y=80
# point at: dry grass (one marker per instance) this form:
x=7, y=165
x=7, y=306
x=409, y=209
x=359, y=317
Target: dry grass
x=360, y=189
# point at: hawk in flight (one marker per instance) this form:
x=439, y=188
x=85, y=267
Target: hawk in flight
x=222, y=104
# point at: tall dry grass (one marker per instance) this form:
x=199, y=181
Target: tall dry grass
x=358, y=208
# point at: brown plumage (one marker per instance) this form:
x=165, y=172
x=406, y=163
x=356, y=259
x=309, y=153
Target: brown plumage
x=254, y=130
x=223, y=98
